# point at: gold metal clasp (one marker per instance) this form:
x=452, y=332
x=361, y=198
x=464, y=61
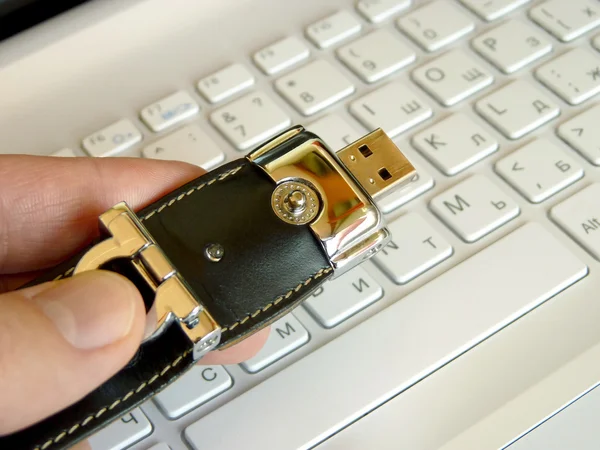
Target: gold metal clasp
x=173, y=301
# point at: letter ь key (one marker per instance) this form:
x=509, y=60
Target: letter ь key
x=474, y=208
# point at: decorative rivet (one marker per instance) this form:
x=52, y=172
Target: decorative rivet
x=214, y=252
x=295, y=202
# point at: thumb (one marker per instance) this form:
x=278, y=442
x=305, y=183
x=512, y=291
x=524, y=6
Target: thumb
x=60, y=340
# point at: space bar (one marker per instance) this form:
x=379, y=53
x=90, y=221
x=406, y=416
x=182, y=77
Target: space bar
x=338, y=383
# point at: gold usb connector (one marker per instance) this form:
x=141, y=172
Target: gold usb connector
x=377, y=163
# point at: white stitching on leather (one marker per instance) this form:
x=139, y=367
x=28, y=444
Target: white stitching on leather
x=89, y=418
x=279, y=299
x=170, y=203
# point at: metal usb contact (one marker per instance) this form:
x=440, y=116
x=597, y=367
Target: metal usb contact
x=334, y=193
x=377, y=164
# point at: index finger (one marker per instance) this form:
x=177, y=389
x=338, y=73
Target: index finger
x=49, y=207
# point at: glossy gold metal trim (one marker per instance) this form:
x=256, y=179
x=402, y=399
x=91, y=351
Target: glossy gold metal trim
x=173, y=301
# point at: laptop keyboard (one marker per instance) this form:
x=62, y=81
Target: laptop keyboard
x=509, y=77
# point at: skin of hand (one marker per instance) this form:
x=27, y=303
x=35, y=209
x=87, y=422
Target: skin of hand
x=61, y=339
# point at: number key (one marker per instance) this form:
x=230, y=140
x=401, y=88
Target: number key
x=376, y=55
x=436, y=25
x=314, y=87
x=250, y=120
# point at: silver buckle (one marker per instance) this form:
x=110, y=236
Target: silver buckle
x=173, y=301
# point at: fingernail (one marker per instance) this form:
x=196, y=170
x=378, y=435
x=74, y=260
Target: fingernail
x=92, y=309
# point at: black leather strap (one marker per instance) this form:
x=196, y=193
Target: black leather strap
x=267, y=269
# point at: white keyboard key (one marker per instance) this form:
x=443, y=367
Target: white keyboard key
x=338, y=299
x=113, y=139
x=345, y=379
x=376, y=11
x=567, y=20
x=452, y=77
x=286, y=335
x=333, y=29
x=197, y=386
x=169, y=111
x=596, y=42
x=281, y=55
x=539, y=170
x=188, y=144
x=492, y=9
x=436, y=25
x=314, y=87
x=64, y=152
x=335, y=131
x=455, y=143
x=420, y=183
x=393, y=107
x=122, y=433
x=579, y=216
x=160, y=446
x=583, y=134
x=250, y=120
x=415, y=248
x=474, y=208
x=376, y=55
x=574, y=76
x=225, y=83
x=512, y=45
x=517, y=109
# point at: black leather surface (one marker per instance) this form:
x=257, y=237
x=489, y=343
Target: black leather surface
x=267, y=269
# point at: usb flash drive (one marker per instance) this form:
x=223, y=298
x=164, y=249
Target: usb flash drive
x=226, y=255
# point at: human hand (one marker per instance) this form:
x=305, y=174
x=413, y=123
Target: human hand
x=60, y=340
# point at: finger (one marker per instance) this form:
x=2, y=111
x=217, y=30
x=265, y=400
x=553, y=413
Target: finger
x=84, y=445
x=60, y=340
x=12, y=282
x=246, y=349
x=49, y=207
